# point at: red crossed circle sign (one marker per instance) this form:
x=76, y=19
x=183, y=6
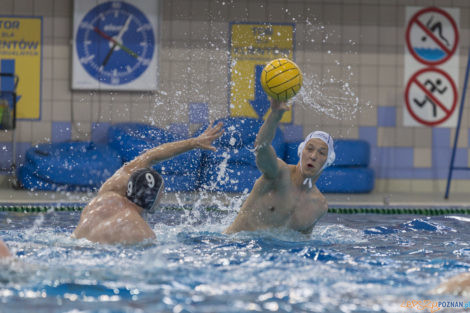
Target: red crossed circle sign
x=431, y=96
x=439, y=48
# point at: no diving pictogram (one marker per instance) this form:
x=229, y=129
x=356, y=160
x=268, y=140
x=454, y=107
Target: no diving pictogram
x=431, y=96
x=432, y=36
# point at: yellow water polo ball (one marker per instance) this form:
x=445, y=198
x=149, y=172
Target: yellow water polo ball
x=281, y=79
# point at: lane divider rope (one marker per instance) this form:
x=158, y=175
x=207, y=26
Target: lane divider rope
x=413, y=210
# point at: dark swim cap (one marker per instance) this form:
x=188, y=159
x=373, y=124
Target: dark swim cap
x=143, y=188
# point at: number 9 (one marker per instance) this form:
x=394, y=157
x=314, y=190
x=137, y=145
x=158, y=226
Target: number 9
x=150, y=180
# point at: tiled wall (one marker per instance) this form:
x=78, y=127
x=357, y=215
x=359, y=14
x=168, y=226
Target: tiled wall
x=351, y=52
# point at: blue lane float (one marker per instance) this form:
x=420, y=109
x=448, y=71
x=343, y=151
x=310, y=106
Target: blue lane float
x=242, y=155
x=30, y=181
x=349, y=152
x=291, y=156
x=349, y=173
x=236, y=145
x=181, y=183
x=49, y=166
x=132, y=139
x=346, y=180
x=233, y=178
x=242, y=132
x=352, y=152
x=232, y=168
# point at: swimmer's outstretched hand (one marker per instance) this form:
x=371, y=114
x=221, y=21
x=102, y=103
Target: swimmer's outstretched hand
x=204, y=140
x=280, y=106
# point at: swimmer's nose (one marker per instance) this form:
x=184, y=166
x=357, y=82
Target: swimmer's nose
x=314, y=155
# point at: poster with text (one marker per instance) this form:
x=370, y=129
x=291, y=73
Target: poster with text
x=20, y=64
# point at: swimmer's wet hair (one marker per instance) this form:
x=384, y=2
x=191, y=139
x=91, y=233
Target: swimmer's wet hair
x=143, y=188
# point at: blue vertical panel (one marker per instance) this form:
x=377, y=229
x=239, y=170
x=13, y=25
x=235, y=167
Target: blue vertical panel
x=7, y=84
x=61, y=131
x=7, y=66
x=198, y=113
x=99, y=132
x=369, y=134
x=441, y=138
x=387, y=116
x=293, y=133
x=180, y=129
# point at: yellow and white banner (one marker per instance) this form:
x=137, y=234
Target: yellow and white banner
x=251, y=47
x=20, y=54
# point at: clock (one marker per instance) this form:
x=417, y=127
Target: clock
x=114, y=47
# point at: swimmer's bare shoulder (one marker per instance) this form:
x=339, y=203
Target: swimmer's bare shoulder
x=4, y=252
x=269, y=203
x=280, y=183
x=458, y=285
x=111, y=218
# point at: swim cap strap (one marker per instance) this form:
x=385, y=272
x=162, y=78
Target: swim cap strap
x=309, y=182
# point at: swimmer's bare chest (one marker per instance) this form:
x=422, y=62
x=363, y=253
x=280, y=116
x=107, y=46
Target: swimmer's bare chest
x=292, y=208
x=270, y=209
x=308, y=211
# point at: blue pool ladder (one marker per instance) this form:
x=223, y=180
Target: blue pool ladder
x=457, y=131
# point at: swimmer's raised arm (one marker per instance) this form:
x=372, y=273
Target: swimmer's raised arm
x=266, y=158
x=118, y=182
x=172, y=149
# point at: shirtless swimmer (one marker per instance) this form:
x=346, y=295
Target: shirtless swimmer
x=115, y=215
x=285, y=195
x=4, y=252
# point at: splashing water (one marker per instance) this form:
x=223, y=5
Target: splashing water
x=333, y=97
x=350, y=263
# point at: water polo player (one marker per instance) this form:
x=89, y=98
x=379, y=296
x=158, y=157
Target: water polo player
x=115, y=215
x=285, y=195
x=4, y=252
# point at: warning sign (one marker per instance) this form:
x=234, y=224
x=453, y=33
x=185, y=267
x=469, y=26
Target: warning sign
x=432, y=36
x=431, y=97
x=431, y=67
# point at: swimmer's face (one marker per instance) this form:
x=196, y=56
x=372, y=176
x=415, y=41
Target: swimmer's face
x=314, y=156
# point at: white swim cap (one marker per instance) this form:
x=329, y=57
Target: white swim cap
x=326, y=138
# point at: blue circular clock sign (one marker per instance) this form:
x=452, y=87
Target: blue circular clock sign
x=115, y=42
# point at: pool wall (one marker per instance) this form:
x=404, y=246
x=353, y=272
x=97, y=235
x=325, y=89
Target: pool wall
x=361, y=43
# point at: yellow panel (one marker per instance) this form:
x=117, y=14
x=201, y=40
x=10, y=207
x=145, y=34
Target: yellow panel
x=20, y=40
x=251, y=45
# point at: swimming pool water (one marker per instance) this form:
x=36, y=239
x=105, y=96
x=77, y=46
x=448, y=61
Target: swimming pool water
x=350, y=263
